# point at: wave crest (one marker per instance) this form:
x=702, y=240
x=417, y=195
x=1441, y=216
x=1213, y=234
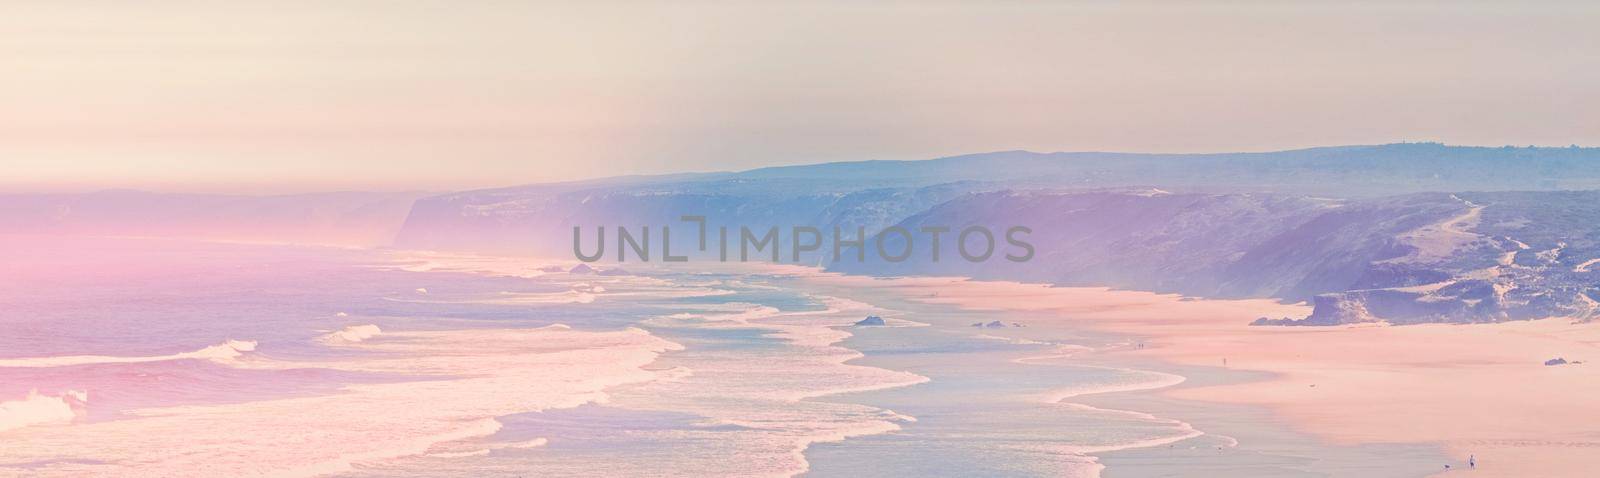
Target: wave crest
x=223, y=352
x=351, y=334
x=38, y=409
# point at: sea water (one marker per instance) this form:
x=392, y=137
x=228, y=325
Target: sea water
x=146, y=357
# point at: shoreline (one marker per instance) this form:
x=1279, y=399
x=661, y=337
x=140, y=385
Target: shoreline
x=1304, y=401
x=1464, y=390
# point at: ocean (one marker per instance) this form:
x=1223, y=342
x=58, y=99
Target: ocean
x=138, y=357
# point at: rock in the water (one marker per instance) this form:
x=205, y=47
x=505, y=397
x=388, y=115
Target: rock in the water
x=1556, y=361
x=581, y=269
x=1282, y=321
x=977, y=324
x=871, y=321
x=995, y=325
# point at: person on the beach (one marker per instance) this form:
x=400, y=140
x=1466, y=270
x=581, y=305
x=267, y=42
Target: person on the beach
x=1472, y=461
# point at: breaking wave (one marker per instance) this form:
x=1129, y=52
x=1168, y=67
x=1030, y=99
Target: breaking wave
x=223, y=352
x=351, y=334
x=37, y=409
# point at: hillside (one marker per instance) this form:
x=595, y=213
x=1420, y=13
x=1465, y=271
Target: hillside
x=1399, y=233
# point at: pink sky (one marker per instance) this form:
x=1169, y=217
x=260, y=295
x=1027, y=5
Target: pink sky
x=300, y=96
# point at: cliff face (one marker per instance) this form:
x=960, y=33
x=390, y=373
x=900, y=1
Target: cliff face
x=1367, y=233
x=1430, y=257
x=1404, y=233
x=1506, y=256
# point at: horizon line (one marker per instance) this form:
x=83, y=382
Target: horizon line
x=15, y=189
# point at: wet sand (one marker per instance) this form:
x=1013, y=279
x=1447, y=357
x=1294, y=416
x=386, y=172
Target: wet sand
x=1465, y=389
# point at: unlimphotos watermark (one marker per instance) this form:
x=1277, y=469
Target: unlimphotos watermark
x=975, y=243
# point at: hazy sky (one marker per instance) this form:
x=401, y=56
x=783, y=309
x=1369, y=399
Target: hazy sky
x=295, y=96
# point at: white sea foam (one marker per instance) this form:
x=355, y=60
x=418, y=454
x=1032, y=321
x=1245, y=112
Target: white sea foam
x=472, y=376
x=37, y=409
x=351, y=334
x=431, y=261
x=767, y=396
x=1181, y=430
x=587, y=287
x=534, y=443
x=459, y=454
x=1142, y=380
x=448, y=450
x=223, y=352
x=1139, y=380
x=575, y=296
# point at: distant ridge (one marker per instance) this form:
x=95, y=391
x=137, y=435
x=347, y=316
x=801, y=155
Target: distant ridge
x=1333, y=225
x=1346, y=171
x=1398, y=233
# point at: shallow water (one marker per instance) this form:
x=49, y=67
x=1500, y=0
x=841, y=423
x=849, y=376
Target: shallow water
x=135, y=357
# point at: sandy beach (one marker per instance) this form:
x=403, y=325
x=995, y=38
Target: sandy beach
x=668, y=371
x=1474, y=390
